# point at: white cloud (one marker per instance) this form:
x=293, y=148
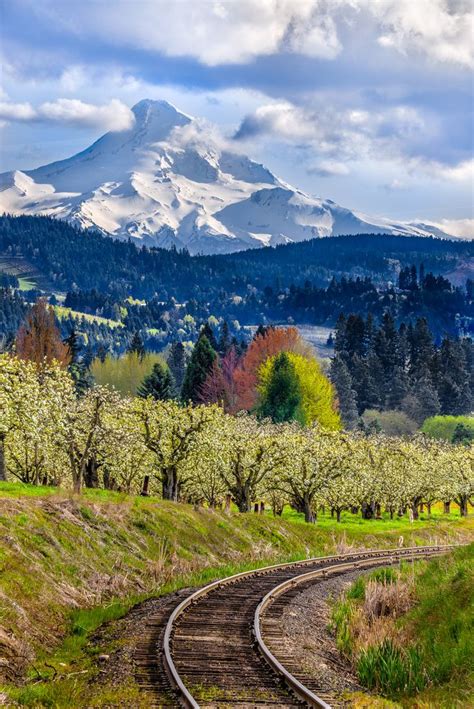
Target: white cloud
x=219, y=32
x=441, y=29
x=113, y=116
x=328, y=168
x=457, y=227
x=16, y=111
x=337, y=133
x=334, y=139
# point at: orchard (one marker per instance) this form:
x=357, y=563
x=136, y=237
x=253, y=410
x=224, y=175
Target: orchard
x=51, y=435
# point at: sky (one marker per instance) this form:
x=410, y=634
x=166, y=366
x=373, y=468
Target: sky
x=367, y=102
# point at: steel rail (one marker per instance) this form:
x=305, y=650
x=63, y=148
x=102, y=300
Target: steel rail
x=369, y=556
x=298, y=688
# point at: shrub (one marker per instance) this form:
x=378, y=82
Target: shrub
x=443, y=427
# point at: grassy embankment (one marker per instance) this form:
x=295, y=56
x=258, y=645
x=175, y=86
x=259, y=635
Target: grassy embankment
x=69, y=564
x=409, y=632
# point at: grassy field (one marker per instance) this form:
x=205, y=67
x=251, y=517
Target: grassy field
x=63, y=312
x=70, y=563
x=409, y=632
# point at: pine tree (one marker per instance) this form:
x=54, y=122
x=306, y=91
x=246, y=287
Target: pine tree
x=421, y=348
x=207, y=331
x=199, y=367
x=364, y=385
x=136, y=345
x=177, y=364
x=224, y=340
x=454, y=383
x=428, y=399
x=78, y=368
x=342, y=380
x=281, y=400
x=398, y=388
x=159, y=384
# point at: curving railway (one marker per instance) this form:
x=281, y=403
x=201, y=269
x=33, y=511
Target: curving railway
x=221, y=645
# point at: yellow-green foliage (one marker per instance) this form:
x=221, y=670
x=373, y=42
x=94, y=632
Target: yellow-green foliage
x=318, y=399
x=443, y=427
x=125, y=373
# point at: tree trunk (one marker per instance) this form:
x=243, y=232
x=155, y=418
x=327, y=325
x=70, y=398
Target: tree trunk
x=463, y=505
x=3, y=470
x=368, y=510
x=338, y=514
x=77, y=483
x=391, y=513
x=428, y=508
x=91, y=473
x=447, y=507
x=309, y=515
x=256, y=508
x=170, y=485
x=146, y=483
x=228, y=499
x=414, y=510
x=262, y=508
x=422, y=508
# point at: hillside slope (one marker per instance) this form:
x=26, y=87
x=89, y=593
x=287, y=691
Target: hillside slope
x=60, y=553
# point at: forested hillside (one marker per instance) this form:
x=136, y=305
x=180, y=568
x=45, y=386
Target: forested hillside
x=168, y=294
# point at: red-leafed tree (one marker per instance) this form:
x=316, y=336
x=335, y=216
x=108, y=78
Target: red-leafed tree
x=264, y=345
x=219, y=387
x=38, y=339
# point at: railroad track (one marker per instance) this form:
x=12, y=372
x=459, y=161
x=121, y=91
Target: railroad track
x=215, y=649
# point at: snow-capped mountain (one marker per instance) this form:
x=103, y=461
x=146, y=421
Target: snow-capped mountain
x=167, y=181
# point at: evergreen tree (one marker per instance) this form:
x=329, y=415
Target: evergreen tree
x=454, y=383
x=159, y=384
x=224, y=340
x=199, y=367
x=207, y=331
x=281, y=400
x=365, y=387
x=177, y=364
x=78, y=367
x=421, y=348
x=342, y=380
x=73, y=344
x=398, y=388
x=423, y=402
x=136, y=345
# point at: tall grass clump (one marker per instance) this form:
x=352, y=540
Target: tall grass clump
x=410, y=631
x=390, y=670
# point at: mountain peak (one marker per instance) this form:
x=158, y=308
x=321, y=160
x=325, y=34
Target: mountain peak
x=160, y=115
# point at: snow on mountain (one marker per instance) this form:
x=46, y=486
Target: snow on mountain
x=167, y=181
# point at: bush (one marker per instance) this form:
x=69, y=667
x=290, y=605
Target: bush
x=392, y=423
x=443, y=427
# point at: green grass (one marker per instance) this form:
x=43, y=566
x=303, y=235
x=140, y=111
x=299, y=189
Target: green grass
x=26, y=283
x=70, y=563
x=428, y=660
x=63, y=312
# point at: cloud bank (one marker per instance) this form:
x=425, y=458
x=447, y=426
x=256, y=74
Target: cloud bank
x=113, y=116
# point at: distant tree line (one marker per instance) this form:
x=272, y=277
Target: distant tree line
x=385, y=367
